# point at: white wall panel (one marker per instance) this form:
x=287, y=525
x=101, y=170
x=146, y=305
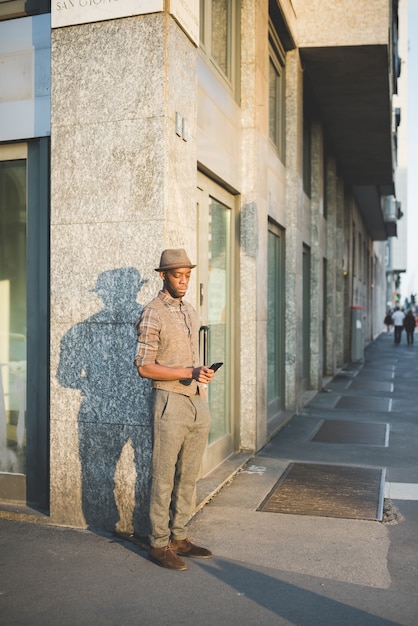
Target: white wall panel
x=25, y=60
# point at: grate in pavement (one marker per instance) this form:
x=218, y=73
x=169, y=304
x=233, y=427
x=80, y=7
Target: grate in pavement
x=342, y=431
x=328, y=491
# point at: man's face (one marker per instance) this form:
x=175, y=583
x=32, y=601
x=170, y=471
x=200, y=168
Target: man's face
x=176, y=281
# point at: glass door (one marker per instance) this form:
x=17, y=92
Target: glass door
x=215, y=272
x=24, y=322
x=275, y=322
x=13, y=336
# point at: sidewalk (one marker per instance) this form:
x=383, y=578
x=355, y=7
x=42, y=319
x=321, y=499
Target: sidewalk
x=269, y=568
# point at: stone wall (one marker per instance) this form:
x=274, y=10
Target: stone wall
x=122, y=188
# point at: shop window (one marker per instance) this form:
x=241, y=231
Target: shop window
x=307, y=143
x=24, y=323
x=13, y=317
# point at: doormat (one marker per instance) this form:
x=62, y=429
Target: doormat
x=344, y=431
x=328, y=491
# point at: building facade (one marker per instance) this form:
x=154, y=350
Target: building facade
x=398, y=246
x=256, y=134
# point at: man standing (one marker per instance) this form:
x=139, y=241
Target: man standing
x=398, y=318
x=167, y=353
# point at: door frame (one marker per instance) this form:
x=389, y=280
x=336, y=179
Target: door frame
x=38, y=259
x=279, y=315
x=220, y=450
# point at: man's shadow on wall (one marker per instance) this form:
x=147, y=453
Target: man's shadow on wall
x=97, y=357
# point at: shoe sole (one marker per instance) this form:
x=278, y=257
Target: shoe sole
x=157, y=562
x=195, y=556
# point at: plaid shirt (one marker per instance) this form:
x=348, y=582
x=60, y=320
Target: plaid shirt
x=168, y=335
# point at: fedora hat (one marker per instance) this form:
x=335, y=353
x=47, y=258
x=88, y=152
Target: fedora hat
x=174, y=259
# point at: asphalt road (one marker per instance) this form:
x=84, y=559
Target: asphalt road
x=268, y=568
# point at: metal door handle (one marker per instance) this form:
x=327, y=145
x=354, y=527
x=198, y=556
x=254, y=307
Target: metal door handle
x=204, y=343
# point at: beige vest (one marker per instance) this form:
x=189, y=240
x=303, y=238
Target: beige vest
x=178, y=346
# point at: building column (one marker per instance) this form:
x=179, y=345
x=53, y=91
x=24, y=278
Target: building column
x=316, y=205
x=123, y=187
x=253, y=226
x=340, y=314
x=331, y=251
x=294, y=224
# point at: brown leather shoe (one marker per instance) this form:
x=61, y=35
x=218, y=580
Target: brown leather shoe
x=165, y=557
x=184, y=547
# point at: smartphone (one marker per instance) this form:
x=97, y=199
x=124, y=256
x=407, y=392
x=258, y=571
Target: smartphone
x=215, y=366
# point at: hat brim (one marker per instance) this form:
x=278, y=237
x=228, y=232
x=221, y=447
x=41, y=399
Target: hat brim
x=175, y=266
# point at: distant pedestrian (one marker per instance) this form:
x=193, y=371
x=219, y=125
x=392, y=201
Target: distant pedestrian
x=388, y=321
x=398, y=317
x=409, y=325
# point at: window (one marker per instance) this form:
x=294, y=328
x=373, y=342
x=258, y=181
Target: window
x=306, y=312
x=307, y=142
x=325, y=162
x=18, y=8
x=354, y=251
x=277, y=95
x=219, y=35
x=309, y=115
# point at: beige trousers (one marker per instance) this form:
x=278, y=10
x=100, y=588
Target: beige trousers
x=181, y=427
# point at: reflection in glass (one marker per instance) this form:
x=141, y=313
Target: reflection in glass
x=273, y=373
x=277, y=106
x=218, y=296
x=12, y=316
x=273, y=100
x=219, y=43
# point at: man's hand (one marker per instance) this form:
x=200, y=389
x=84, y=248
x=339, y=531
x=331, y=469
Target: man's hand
x=203, y=374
